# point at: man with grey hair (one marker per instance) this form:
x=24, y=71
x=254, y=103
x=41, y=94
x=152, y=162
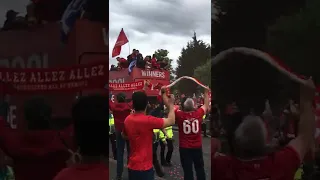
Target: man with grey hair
x=250, y=137
x=188, y=104
x=251, y=159
x=190, y=139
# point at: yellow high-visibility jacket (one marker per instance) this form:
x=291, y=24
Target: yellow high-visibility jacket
x=298, y=174
x=111, y=124
x=156, y=133
x=169, y=133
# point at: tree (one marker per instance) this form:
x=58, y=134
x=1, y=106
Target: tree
x=162, y=54
x=203, y=73
x=245, y=23
x=195, y=54
x=294, y=40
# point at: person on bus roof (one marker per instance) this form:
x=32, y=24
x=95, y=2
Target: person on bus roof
x=154, y=62
x=122, y=63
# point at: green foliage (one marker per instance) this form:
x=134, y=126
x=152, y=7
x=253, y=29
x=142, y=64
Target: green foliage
x=294, y=39
x=289, y=29
x=203, y=73
x=245, y=22
x=195, y=54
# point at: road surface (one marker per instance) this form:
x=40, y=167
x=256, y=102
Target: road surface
x=172, y=173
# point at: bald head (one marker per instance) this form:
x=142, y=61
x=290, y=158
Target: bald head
x=250, y=137
x=188, y=105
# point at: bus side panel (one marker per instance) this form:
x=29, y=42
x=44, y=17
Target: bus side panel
x=36, y=48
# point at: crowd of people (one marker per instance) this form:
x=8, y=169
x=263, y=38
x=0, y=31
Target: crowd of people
x=136, y=59
x=48, y=147
x=42, y=12
x=266, y=145
x=142, y=128
x=35, y=15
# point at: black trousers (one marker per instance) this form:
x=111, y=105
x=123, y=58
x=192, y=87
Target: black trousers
x=156, y=164
x=113, y=141
x=139, y=175
x=204, y=129
x=166, y=158
x=189, y=158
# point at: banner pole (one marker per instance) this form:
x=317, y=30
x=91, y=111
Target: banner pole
x=128, y=45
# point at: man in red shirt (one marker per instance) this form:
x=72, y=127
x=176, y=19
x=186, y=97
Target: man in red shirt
x=154, y=63
x=91, y=127
x=138, y=128
x=121, y=109
x=190, y=139
x=38, y=152
x=252, y=161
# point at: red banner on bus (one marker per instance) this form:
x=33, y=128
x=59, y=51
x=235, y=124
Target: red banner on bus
x=74, y=78
x=126, y=86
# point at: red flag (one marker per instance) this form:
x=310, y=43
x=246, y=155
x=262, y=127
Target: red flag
x=122, y=40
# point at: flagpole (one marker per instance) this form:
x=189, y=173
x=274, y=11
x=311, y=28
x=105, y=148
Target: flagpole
x=129, y=47
x=128, y=44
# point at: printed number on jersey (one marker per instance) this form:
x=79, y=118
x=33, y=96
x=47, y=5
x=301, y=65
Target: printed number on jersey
x=190, y=126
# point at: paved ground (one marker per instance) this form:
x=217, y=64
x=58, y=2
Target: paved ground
x=172, y=173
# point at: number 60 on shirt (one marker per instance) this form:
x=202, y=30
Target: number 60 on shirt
x=190, y=126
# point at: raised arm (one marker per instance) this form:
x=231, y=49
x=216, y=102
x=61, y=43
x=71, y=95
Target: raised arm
x=168, y=102
x=205, y=106
x=303, y=142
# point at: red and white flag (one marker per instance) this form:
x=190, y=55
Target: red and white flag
x=122, y=40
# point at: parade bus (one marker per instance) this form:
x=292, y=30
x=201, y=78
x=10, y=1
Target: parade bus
x=156, y=77
x=41, y=47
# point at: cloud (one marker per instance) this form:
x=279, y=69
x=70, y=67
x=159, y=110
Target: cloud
x=159, y=24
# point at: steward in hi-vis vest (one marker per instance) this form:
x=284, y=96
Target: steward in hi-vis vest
x=166, y=140
x=156, y=164
x=112, y=136
x=204, y=126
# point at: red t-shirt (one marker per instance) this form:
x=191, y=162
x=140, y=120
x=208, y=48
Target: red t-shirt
x=139, y=129
x=36, y=154
x=189, y=124
x=280, y=165
x=84, y=172
x=123, y=62
x=120, y=111
x=154, y=63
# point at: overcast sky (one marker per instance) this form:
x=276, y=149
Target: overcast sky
x=16, y=5
x=159, y=24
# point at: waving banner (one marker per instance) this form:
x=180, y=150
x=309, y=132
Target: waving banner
x=73, y=78
x=274, y=62
x=179, y=79
x=132, y=86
